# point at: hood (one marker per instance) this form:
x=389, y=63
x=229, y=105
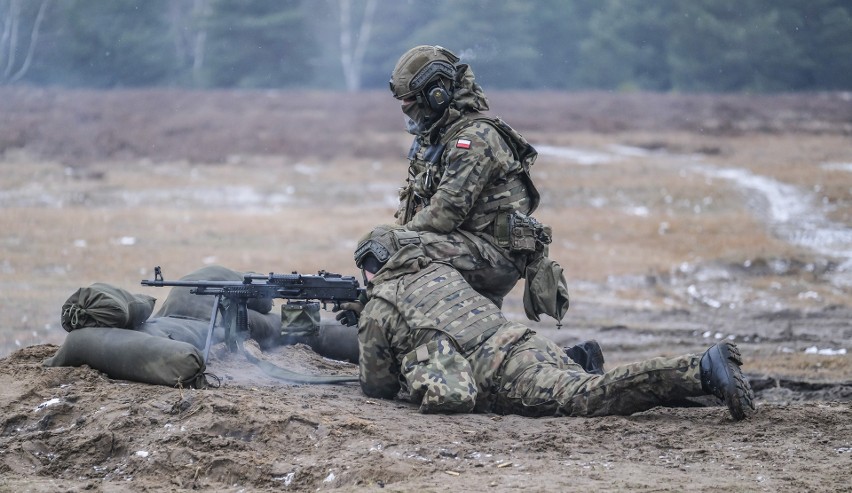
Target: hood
x=468, y=97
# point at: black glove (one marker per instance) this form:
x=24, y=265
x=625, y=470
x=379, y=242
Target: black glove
x=349, y=313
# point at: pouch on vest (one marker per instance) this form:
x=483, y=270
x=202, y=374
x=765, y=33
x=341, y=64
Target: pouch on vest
x=439, y=378
x=104, y=305
x=518, y=232
x=545, y=290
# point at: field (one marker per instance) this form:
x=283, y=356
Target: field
x=679, y=219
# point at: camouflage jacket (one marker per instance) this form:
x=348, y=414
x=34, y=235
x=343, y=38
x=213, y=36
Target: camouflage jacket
x=425, y=331
x=466, y=168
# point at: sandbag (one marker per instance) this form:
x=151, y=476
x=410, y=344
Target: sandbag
x=132, y=355
x=189, y=330
x=301, y=323
x=104, y=305
x=336, y=341
x=265, y=328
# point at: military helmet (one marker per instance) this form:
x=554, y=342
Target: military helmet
x=420, y=66
x=379, y=245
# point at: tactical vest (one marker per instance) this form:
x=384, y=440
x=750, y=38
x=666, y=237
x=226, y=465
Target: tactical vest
x=524, y=154
x=506, y=196
x=438, y=298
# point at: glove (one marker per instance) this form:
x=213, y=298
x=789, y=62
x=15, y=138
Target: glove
x=349, y=313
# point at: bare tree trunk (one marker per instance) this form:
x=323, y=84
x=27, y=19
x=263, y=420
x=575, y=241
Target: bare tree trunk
x=7, y=29
x=190, y=36
x=179, y=20
x=11, y=41
x=352, y=58
x=11, y=22
x=33, y=40
x=200, y=11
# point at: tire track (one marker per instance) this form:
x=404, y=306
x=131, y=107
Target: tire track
x=791, y=215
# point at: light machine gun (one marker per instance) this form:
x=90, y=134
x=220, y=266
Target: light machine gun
x=232, y=297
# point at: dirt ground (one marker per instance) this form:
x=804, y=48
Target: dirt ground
x=680, y=220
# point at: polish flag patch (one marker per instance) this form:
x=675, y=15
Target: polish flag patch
x=463, y=144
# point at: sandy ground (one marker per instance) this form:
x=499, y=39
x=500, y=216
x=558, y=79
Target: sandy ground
x=680, y=221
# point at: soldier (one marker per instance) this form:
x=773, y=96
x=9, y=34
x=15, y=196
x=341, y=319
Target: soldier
x=469, y=188
x=425, y=331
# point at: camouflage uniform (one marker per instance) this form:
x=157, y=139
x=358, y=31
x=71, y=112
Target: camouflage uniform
x=464, y=171
x=425, y=331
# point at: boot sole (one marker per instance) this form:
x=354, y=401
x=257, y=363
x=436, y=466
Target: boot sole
x=738, y=394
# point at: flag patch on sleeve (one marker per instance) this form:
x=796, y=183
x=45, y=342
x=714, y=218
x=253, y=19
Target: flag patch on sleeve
x=463, y=144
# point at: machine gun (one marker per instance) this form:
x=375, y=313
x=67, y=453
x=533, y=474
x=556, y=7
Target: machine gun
x=232, y=297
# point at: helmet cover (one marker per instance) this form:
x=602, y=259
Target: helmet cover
x=418, y=67
x=382, y=243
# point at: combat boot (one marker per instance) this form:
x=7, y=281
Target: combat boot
x=721, y=376
x=588, y=355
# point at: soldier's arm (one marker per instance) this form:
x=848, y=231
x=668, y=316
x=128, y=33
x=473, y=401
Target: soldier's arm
x=473, y=160
x=379, y=369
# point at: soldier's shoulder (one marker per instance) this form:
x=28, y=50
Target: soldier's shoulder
x=386, y=291
x=477, y=124
x=477, y=135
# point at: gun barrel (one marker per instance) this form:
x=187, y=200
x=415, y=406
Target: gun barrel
x=190, y=284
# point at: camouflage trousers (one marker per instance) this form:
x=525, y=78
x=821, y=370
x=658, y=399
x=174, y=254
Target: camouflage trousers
x=490, y=270
x=539, y=380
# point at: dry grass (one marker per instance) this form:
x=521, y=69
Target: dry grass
x=276, y=181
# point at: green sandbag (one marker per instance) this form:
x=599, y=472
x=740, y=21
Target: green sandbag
x=332, y=340
x=104, y=305
x=182, y=329
x=132, y=355
x=265, y=328
x=337, y=341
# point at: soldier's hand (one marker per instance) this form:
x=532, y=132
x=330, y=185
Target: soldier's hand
x=348, y=313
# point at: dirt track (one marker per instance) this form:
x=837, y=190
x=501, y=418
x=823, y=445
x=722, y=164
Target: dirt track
x=680, y=221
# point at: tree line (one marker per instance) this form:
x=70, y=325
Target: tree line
x=654, y=45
